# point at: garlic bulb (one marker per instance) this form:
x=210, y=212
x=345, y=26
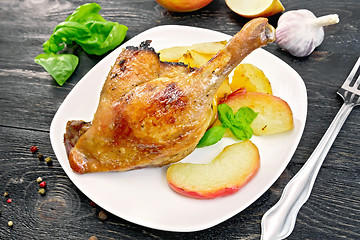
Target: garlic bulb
x=299, y=31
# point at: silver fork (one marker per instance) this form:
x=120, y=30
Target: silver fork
x=279, y=221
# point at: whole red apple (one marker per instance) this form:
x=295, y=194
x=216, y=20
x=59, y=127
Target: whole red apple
x=183, y=5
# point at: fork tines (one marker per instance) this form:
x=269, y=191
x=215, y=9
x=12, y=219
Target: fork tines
x=350, y=91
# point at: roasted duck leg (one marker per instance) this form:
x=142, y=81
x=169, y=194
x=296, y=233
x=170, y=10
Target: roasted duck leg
x=153, y=113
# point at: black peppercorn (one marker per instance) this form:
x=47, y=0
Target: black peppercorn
x=41, y=157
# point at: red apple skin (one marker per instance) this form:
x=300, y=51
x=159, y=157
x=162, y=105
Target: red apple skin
x=220, y=193
x=233, y=94
x=211, y=195
x=183, y=5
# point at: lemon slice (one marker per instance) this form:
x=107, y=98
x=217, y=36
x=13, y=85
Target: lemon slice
x=255, y=8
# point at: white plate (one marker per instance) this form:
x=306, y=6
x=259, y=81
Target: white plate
x=143, y=196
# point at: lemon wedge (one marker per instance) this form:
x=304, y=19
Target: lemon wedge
x=255, y=8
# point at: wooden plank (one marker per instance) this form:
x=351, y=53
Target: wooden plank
x=29, y=98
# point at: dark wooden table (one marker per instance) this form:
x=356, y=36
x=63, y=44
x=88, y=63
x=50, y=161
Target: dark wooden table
x=29, y=98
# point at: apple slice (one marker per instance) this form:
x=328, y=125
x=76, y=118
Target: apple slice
x=194, y=59
x=224, y=175
x=199, y=52
x=255, y=8
x=208, y=48
x=172, y=54
x=251, y=78
x=274, y=114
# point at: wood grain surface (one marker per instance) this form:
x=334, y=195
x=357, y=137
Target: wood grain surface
x=29, y=98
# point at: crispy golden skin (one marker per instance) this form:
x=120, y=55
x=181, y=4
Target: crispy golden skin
x=153, y=113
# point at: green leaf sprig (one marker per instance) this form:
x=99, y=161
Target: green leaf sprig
x=238, y=123
x=87, y=28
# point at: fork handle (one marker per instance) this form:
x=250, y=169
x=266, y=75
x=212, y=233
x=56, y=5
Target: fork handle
x=279, y=221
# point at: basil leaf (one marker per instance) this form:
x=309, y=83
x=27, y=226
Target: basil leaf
x=239, y=125
x=85, y=13
x=244, y=116
x=65, y=33
x=212, y=136
x=52, y=45
x=59, y=66
x=105, y=36
x=87, y=28
x=226, y=115
x=242, y=132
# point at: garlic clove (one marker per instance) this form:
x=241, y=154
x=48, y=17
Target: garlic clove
x=299, y=31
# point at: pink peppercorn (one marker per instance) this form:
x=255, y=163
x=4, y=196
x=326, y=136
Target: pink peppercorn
x=33, y=149
x=42, y=184
x=9, y=200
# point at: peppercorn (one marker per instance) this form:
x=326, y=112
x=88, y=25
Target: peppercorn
x=10, y=223
x=102, y=215
x=42, y=191
x=34, y=149
x=41, y=157
x=48, y=160
x=93, y=238
x=39, y=180
x=93, y=204
x=9, y=200
x=42, y=184
x=6, y=194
